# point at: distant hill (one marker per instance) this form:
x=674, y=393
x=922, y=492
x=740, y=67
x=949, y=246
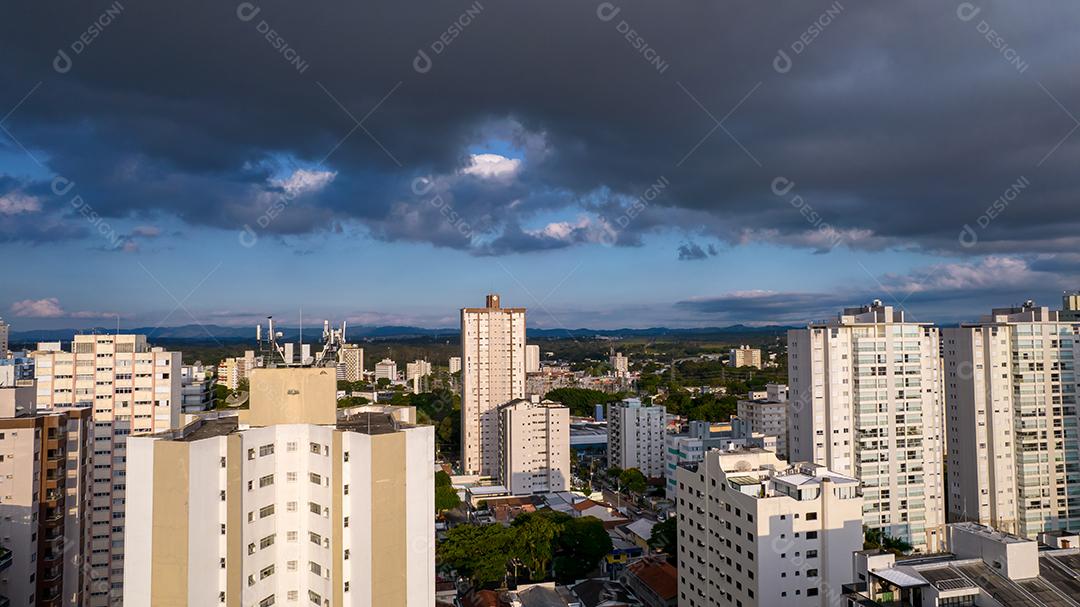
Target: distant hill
x=358, y=333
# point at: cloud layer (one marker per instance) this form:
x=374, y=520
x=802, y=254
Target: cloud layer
x=897, y=126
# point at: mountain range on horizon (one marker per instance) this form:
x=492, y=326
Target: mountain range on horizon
x=196, y=332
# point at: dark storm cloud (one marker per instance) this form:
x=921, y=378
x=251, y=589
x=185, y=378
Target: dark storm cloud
x=691, y=251
x=897, y=124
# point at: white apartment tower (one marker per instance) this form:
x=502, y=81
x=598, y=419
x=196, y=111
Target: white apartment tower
x=762, y=533
x=287, y=505
x=386, y=369
x=636, y=434
x=5, y=334
x=532, y=358
x=131, y=389
x=865, y=399
x=534, y=447
x=1011, y=389
x=493, y=374
x=455, y=364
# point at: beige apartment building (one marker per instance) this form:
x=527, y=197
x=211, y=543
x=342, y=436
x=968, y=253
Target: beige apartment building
x=290, y=503
x=352, y=361
x=44, y=491
x=492, y=374
x=1013, y=452
x=534, y=446
x=866, y=400
x=744, y=356
x=759, y=531
x=129, y=389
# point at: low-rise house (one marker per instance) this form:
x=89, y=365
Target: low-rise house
x=654, y=581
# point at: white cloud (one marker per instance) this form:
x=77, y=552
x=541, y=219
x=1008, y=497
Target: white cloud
x=492, y=166
x=50, y=307
x=38, y=308
x=304, y=181
x=14, y=203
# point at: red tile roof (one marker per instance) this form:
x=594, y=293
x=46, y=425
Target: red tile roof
x=660, y=576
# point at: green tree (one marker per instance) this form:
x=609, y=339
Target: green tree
x=382, y=383
x=579, y=547
x=633, y=481
x=665, y=537
x=876, y=538
x=478, y=552
x=533, y=543
x=446, y=498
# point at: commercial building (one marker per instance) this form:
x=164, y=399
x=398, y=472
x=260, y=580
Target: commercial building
x=493, y=355
x=1013, y=451
x=44, y=492
x=762, y=532
x=532, y=358
x=766, y=415
x=285, y=505
x=534, y=446
x=130, y=389
x=866, y=400
x=351, y=357
x=386, y=369
x=636, y=436
x=744, y=356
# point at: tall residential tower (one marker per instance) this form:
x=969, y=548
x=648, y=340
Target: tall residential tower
x=865, y=400
x=493, y=374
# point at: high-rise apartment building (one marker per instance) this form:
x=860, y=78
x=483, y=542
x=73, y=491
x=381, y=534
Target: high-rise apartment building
x=44, y=490
x=532, y=358
x=493, y=374
x=1013, y=452
x=455, y=364
x=130, y=388
x=766, y=416
x=5, y=335
x=700, y=439
x=386, y=369
x=287, y=505
x=619, y=364
x=534, y=446
x=352, y=357
x=417, y=369
x=761, y=532
x=866, y=400
x=636, y=434
x=232, y=371
x=744, y=356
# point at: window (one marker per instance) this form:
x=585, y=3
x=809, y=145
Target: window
x=315, y=538
x=266, y=542
x=290, y=447
x=290, y=476
x=251, y=453
x=291, y=536
x=266, y=572
x=315, y=508
x=266, y=450
x=266, y=511
x=316, y=449
x=315, y=567
x=811, y=535
x=811, y=573
x=267, y=601
x=811, y=516
x=315, y=478
x=266, y=481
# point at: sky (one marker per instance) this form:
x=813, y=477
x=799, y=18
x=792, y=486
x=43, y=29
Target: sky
x=603, y=164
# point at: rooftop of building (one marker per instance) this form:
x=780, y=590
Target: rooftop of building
x=658, y=575
x=211, y=426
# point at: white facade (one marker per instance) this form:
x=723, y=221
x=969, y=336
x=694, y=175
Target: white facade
x=534, y=447
x=493, y=374
x=196, y=392
x=767, y=415
x=636, y=435
x=417, y=369
x=620, y=364
x=866, y=400
x=1013, y=455
x=132, y=389
x=352, y=357
x=761, y=532
x=455, y=364
x=5, y=332
x=532, y=358
x=386, y=369
x=702, y=437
